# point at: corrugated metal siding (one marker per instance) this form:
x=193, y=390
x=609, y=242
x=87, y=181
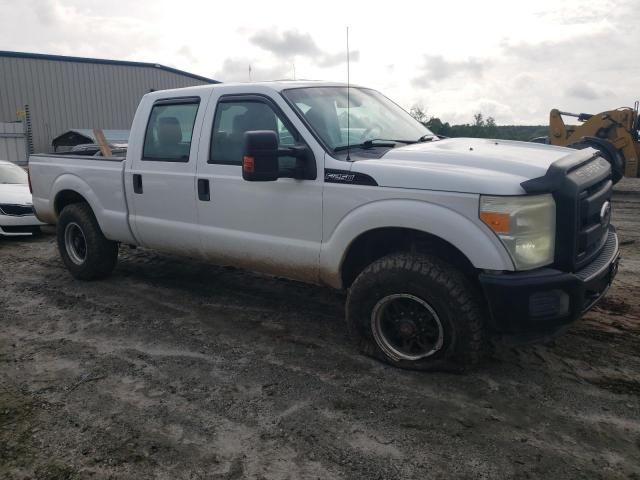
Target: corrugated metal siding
x=64, y=95
x=13, y=144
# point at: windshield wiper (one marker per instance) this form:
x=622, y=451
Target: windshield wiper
x=373, y=142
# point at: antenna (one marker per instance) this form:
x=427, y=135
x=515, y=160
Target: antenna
x=249, y=72
x=348, y=103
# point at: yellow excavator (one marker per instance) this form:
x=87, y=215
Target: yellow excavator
x=613, y=133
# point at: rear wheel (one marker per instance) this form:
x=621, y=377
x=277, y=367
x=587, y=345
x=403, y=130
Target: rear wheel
x=85, y=251
x=417, y=312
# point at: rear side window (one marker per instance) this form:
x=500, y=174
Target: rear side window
x=169, y=131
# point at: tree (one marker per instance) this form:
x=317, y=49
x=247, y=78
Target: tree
x=480, y=127
x=491, y=130
x=436, y=126
x=419, y=113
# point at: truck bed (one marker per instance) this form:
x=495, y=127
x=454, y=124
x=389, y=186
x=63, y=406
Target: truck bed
x=98, y=179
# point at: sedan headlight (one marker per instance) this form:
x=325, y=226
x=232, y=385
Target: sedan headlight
x=525, y=224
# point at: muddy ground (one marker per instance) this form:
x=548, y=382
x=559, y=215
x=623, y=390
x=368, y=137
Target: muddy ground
x=172, y=369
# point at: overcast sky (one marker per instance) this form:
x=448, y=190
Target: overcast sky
x=509, y=59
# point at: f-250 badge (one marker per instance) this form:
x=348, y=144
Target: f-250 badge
x=339, y=177
x=351, y=178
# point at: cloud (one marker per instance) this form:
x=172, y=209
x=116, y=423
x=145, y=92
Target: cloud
x=581, y=72
x=494, y=108
x=67, y=29
x=598, y=46
x=291, y=43
x=237, y=70
x=331, y=60
x=575, y=55
x=586, y=13
x=48, y=12
x=436, y=68
x=582, y=90
x=286, y=44
x=186, y=52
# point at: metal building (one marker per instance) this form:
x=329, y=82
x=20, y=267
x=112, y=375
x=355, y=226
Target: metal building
x=13, y=142
x=51, y=94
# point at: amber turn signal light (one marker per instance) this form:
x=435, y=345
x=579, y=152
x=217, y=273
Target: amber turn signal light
x=498, y=222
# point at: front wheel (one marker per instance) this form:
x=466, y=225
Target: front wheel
x=417, y=312
x=84, y=249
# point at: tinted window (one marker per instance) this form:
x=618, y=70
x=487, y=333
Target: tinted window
x=169, y=131
x=231, y=122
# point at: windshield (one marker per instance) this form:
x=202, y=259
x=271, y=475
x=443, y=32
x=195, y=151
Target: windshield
x=12, y=174
x=371, y=116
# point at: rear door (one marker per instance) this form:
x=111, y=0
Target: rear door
x=274, y=227
x=162, y=175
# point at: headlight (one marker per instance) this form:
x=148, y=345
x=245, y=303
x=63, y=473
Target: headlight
x=526, y=225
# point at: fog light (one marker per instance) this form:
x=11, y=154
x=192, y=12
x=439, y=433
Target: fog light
x=550, y=304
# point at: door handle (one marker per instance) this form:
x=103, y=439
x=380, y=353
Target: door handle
x=137, y=183
x=204, y=192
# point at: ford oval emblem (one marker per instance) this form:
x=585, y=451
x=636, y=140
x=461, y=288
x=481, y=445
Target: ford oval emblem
x=605, y=214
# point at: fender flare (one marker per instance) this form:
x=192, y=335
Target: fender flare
x=474, y=240
x=70, y=181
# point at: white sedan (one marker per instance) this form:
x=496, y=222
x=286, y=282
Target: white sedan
x=16, y=206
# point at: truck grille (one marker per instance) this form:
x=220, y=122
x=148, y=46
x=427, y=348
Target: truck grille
x=581, y=188
x=580, y=234
x=592, y=229
x=16, y=210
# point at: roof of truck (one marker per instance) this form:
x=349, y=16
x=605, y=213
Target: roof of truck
x=276, y=85
x=284, y=84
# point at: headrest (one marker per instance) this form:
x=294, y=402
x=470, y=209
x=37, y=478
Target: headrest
x=257, y=117
x=169, y=131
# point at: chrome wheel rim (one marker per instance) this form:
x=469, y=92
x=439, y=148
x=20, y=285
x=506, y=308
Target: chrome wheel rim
x=405, y=327
x=75, y=243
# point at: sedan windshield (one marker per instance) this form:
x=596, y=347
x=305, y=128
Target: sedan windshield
x=370, y=119
x=12, y=174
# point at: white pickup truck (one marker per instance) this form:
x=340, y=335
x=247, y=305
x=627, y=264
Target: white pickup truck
x=440, y=243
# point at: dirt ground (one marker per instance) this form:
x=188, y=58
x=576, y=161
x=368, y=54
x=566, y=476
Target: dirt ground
x=173, y=369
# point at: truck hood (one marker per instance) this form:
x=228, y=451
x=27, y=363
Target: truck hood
x=469, y=165
x=15, y=194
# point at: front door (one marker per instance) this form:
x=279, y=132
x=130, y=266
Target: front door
x=273, y=227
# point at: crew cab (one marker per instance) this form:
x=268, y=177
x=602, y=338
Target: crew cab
x=442, y=244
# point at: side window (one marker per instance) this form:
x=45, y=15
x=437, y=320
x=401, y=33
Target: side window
x=284, y=135
x=233, y=119
x=169, y=131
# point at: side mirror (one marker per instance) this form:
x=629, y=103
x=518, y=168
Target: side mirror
x=260, y=156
